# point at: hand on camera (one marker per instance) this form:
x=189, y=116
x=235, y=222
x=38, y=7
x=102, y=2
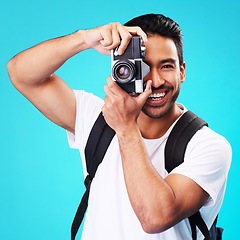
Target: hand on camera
x=120, y=109
x=105, y=38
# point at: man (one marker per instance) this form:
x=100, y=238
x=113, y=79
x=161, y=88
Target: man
x=132, y=196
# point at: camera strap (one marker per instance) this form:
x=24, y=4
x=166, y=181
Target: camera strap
x=99, y=140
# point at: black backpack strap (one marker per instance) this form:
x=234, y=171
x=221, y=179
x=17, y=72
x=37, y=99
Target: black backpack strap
x=216, y=232
x=179, y=137
x=175, y=149
x=196, y=221
x=79, y=214
x=98, y=141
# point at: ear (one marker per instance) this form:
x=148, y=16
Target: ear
x=182, y=72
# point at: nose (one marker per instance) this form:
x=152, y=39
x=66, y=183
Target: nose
x=154, y=75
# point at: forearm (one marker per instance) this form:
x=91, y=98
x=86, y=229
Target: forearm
x=31, y=71
x=36, y=64
x=151, y=197
x=33, y=66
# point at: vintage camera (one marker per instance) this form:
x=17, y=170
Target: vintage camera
x=128, y=69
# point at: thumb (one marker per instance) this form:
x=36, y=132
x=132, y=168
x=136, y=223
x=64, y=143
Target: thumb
x=141, y=99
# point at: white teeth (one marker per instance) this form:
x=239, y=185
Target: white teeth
x=158, y=95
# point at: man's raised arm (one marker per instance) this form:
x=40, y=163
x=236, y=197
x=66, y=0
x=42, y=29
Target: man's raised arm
x=32, y=71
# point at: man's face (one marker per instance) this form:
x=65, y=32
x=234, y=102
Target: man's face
x=165, y=73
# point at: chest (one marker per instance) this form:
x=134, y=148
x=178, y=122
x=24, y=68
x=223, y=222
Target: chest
x=111, y=166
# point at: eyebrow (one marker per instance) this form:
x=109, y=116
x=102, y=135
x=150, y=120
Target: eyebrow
x=167, y=60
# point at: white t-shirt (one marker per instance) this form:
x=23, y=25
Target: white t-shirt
x=110, y=215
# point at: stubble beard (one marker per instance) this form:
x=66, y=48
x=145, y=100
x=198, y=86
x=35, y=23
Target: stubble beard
x=150, y=113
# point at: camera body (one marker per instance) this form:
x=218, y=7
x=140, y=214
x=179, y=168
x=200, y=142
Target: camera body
x=128, y=69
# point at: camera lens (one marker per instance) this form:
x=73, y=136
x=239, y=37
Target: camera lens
x=123, y=71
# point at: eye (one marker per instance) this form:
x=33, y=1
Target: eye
x=167, y=66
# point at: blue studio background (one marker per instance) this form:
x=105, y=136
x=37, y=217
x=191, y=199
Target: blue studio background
x=41, y=180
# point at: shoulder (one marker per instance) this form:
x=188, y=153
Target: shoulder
x=208, y=142
x=207, y=161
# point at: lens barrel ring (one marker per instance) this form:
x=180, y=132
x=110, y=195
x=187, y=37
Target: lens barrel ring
x=123, y=71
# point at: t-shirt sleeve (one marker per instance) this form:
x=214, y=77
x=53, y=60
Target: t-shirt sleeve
x=88, y=107
x=207, y=162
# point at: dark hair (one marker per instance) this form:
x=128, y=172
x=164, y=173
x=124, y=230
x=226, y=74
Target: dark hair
x=159, y=24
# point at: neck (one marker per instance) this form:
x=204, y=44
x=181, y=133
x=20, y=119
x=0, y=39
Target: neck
x=152, y=128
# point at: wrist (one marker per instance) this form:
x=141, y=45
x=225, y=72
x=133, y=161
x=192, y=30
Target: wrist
x=79, y=37
x=128, y=132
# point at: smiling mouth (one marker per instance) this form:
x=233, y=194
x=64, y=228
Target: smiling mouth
x=157, y=96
